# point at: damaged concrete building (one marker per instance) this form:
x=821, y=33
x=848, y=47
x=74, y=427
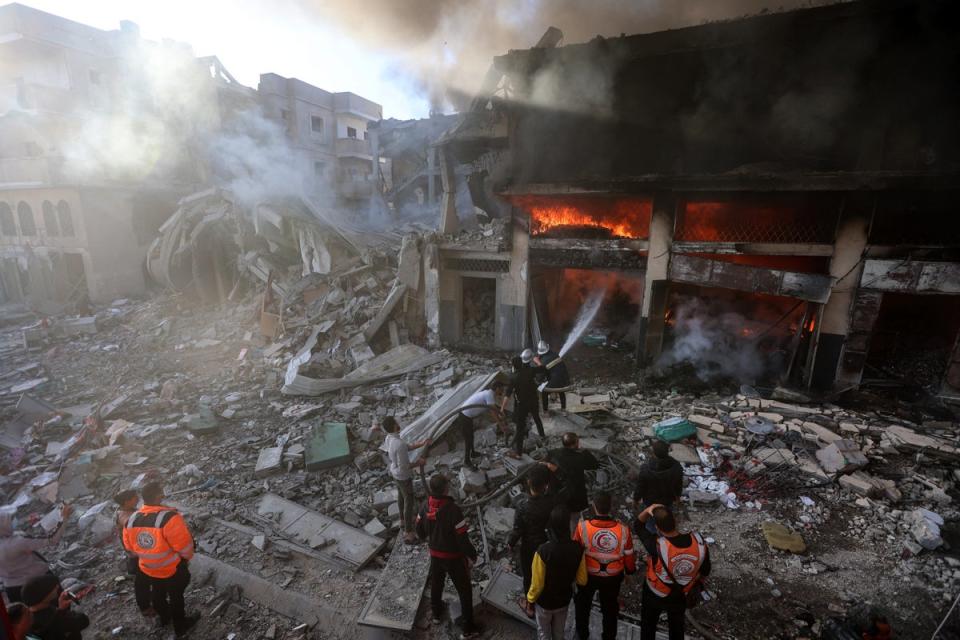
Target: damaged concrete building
x=812, y=195
x=95, y=151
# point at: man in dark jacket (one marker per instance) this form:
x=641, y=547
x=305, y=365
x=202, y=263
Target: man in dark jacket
x=523, y=388
x=570, y=464
x=442, y=524
x=530, y=520
x=556, y=377
x=557, y=564
x=660, y=482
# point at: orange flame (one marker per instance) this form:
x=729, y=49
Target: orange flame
x=622, y=217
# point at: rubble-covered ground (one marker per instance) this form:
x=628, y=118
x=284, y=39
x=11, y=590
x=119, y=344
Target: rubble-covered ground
x=191, y=396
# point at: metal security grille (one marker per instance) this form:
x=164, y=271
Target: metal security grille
x=754, y=222
x=484, y=266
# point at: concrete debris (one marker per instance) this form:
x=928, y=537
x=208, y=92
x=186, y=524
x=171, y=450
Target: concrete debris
x=843, y=456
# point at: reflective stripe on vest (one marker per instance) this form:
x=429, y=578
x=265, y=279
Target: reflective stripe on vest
x=684, y=565
x=603, y=548
x=157, y=558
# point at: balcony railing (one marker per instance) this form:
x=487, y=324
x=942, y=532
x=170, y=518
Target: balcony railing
x=353, y=147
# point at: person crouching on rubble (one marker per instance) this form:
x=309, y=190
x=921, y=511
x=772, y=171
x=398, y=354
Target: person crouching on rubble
x=159, y=536
x=557, y=564
x=53, y=619
x=398, y=452
x=530, y=520
x=676, y=564
x=127, y=502
x=556, y=377
x=523, y=388
x=442, y=524
x=481, y=402
x=20, y=560
x=660, y=481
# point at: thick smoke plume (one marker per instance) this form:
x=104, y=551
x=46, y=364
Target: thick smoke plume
x=446, y=46
x=163, y=122
x=717, y=342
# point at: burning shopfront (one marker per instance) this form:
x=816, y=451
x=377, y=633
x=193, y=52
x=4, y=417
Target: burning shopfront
x=769, y=198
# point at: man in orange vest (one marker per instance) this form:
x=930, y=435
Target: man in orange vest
x=675, y=563
x=160, y=539
x=608, y=548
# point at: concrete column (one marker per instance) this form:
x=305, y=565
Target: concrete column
x=513, y=291
x=846, y=266
x=653, y=307
x=431, y=178
x=449, y=222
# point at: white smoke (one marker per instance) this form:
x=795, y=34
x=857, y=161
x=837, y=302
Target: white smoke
x=166, y=121
x=716, y=341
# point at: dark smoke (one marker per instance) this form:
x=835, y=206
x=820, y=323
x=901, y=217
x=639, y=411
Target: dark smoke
x=446, y=46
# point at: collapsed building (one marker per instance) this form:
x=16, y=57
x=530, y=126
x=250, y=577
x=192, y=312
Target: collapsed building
x=794, y=171
x=102, y=133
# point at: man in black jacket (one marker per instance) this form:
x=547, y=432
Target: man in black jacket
x=660, y=482
x=530, y=520
x=570, y=464
x=442, y=524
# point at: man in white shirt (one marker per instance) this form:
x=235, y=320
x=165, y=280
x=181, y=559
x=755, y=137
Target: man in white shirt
x=398, y=451
x=485, y=401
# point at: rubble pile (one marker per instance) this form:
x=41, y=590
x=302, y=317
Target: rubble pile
x=265, y=437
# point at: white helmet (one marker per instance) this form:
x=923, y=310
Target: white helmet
x=526, y=356
x=542, y=347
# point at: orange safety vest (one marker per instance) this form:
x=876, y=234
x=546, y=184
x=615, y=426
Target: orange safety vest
x=158, y=536
x=684, y=565
x=603, y=548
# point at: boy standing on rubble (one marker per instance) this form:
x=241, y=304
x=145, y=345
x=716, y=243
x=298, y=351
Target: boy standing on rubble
x=398, y=452
x=557, y=564
x=442, y=524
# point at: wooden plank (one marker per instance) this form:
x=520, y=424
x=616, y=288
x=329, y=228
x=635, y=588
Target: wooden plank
x=394, y=601
x=316, y=530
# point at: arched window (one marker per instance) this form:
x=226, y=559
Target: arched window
x=28, y=225
x=7, y=226
x=66, y=220
x=50, y=219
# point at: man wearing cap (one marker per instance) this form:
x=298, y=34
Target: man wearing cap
x=556, y=377
x=523, y=387
x=53, y=619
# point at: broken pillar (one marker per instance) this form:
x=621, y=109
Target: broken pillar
x=449, y=221
x=654, y=303
x=846, y=266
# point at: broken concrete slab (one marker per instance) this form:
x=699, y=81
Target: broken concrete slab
x=782, y=538
x=78, y=326
x=684, y=454
x=498, y=520
x=821, y=433
x=382, y=499
x=269, y=461
x=283, y=601
x=858, y=482
x=376, y=528
x=472, y=481
x=407, y=358
x=316, y=530
x=327, y=446
x=395, y=599
x=842, y=456
x=517, y=466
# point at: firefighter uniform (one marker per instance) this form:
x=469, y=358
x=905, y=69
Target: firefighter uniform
x=608, y=550
x=159, y=537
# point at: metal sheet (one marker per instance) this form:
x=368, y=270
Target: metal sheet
x=316, y=530
x=327, y=446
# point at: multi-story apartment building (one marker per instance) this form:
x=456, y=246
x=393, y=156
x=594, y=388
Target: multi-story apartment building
x=329, y=133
